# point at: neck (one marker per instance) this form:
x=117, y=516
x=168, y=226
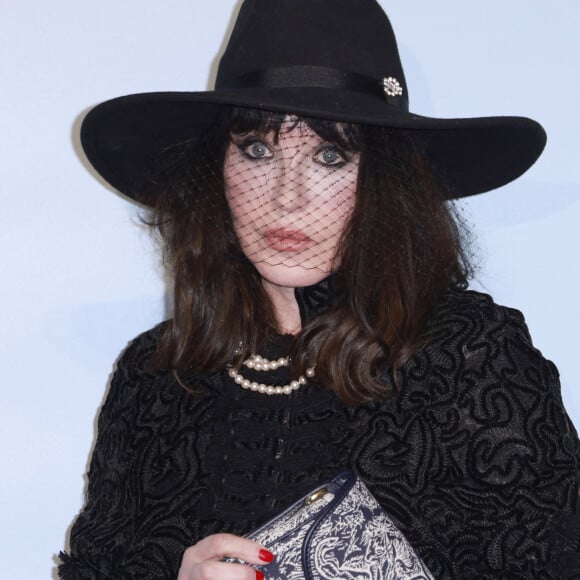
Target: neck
x=285, y=308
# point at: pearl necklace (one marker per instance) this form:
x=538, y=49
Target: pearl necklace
x=258, y=363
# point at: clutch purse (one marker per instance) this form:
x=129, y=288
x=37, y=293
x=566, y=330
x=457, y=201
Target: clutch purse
x=338, y=531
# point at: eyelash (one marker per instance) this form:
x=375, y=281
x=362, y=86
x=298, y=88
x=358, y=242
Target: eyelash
x=248, y=142
x=342, y=155
x=245, y=145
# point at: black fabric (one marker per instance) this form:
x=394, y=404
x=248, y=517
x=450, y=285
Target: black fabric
x=476, y=459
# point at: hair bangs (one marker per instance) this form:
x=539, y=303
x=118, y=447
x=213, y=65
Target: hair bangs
x=245, y=120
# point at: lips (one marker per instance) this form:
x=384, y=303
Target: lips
x=287, y=240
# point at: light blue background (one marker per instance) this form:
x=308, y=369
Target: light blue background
x=80, y=277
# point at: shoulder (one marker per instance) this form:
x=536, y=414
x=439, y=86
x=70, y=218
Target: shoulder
x=132, y=377
x=475, y=348
x=471, y=313
x=138, y=382
x=480, y=376
x=476, y=329
x=140, y=349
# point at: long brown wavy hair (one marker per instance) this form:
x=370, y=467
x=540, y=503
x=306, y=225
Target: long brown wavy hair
x=402, y=247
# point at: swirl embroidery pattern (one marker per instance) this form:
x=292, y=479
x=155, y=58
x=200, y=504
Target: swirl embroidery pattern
x=475, y=461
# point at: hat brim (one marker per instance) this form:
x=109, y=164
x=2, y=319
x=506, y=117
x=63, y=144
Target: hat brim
x=122, y=136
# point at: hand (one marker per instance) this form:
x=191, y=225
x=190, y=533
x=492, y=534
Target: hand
x=202, y=561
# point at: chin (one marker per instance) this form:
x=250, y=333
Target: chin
x=292, y=276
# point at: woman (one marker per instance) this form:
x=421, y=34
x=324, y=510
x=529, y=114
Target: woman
x=322, y=319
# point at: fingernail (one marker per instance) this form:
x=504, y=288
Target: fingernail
x=259, y=575
x=266, y=556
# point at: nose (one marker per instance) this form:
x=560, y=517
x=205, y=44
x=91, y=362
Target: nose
x=290, y=190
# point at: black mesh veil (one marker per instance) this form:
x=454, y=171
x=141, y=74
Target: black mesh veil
x=291, y=186
x=287, y=187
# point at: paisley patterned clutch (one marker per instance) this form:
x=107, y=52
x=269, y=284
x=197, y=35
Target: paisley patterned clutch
x=339, y=530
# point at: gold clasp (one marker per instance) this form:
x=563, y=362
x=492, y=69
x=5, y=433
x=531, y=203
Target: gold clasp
x=317, y=495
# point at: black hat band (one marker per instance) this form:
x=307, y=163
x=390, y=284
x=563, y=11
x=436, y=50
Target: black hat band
x=316, y=77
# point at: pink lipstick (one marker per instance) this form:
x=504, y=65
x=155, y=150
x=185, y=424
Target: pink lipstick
x=287, y=240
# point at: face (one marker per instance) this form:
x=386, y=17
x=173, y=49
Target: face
x=290, y=195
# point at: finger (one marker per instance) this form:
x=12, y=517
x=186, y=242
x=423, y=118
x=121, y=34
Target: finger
x=218, y=546
x=212, y=570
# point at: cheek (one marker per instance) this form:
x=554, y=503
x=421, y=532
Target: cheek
x=235, y=182
x=244, y=190
x=337, y=205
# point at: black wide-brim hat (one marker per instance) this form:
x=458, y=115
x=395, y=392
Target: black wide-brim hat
x=331, y=59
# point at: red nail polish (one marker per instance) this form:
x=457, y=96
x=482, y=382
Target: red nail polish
x=259, y=575
x=266, y=556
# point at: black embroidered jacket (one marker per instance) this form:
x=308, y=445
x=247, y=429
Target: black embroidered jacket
x=475, y=459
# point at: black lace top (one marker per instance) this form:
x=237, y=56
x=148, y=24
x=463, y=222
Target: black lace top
x=475, y=460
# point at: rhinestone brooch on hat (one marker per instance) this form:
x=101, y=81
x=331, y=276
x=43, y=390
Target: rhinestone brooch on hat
x=392, y=87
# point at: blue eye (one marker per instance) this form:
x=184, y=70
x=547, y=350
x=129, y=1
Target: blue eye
x=331, y=156
x=255, y=149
